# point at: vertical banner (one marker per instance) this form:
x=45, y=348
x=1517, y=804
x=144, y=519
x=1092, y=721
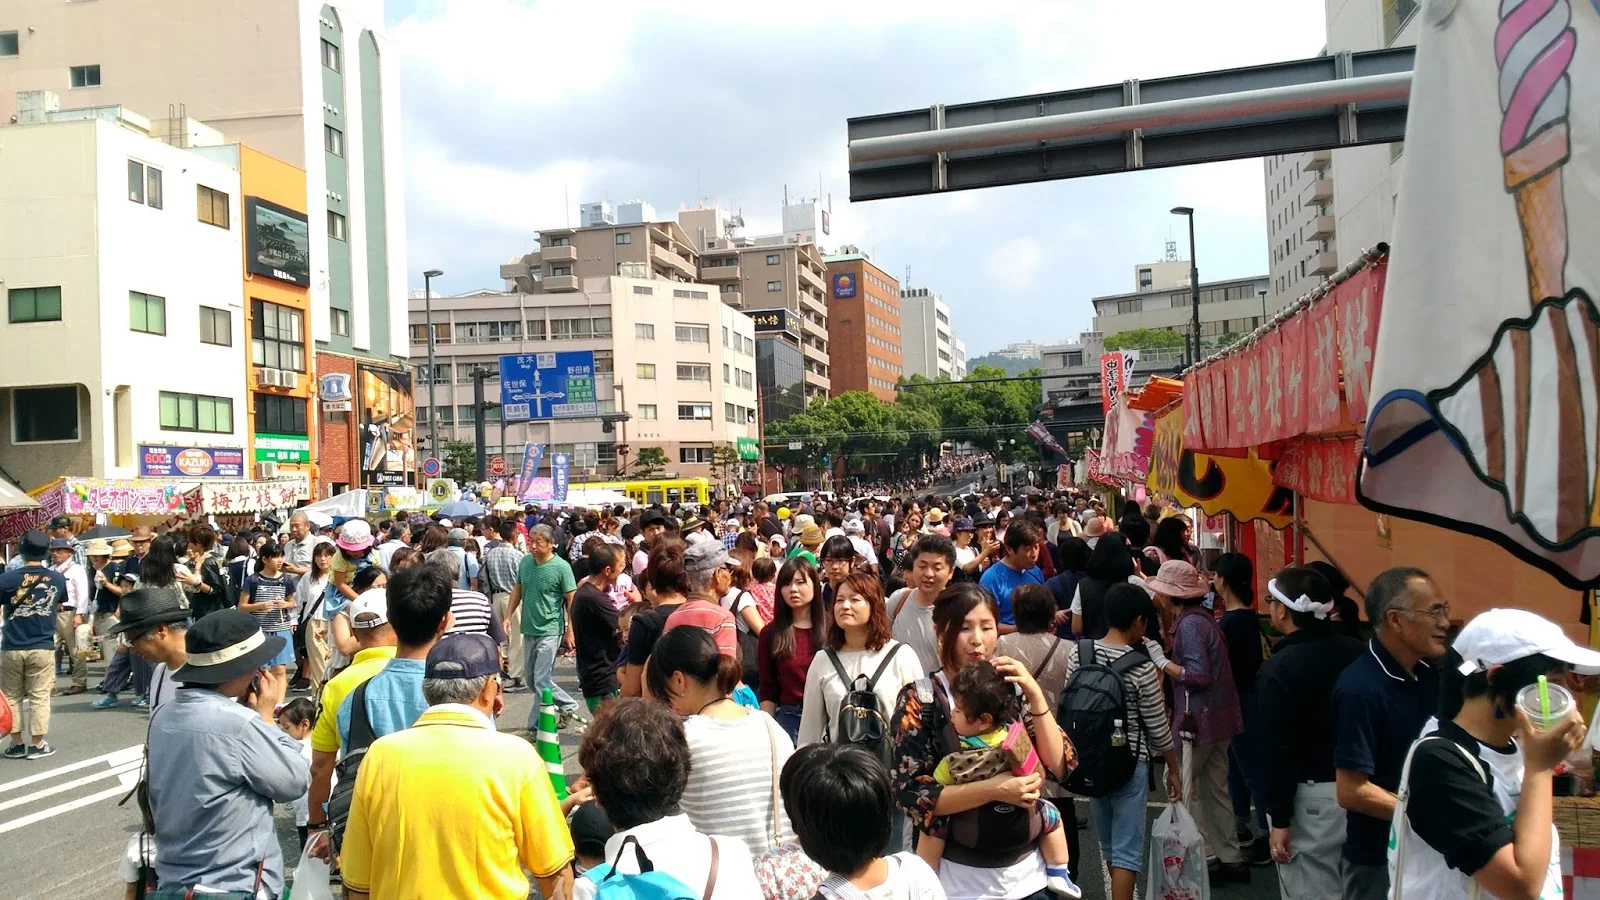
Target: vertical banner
x=1295, y=345
x=531, y=454
x=1196, y=397
x=1270, y=348
x=1360, y=303
x=1113, y=377
x=1322, y=388
x=559, y=466
x=1216, y=424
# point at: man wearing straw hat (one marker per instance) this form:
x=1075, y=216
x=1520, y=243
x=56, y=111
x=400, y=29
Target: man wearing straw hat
x=217, y=763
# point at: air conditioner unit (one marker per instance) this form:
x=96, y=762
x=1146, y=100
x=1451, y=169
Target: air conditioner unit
x=287, y=379
x=266, y=469
x=272, y=377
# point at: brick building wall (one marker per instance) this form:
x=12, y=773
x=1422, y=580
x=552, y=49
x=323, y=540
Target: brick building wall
x=335, y=448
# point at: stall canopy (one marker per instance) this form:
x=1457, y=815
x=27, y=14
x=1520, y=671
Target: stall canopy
x=1487, y=379
x=14, y=499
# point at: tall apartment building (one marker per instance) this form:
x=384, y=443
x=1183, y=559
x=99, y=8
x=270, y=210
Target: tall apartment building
x=1300, y=223
x=1236, y=306
x=120, y=267
x=958, y=358
x=771, y=272
x=863, y=325
x=927, y=347
x=318, y=89
x=682, y=364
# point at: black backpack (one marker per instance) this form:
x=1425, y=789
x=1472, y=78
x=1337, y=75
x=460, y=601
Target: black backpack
x=344, y=788
x=1094, y=698
x=861, y=718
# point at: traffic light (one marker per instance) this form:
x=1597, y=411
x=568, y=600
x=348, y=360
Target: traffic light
x=608, y=421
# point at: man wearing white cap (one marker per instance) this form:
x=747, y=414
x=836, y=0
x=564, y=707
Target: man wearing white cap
x=1474, y=812
x=369, y=622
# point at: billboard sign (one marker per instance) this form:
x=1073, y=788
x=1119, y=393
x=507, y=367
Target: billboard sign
x=749, y=448
x=844, y=285
x=289, y=448
x=164, y=461
x=277, y=242
x=388, y=427
x=334, y=389
x=548, y=386
x=774, y=320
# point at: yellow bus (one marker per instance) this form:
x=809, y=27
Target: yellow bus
x=665, y=491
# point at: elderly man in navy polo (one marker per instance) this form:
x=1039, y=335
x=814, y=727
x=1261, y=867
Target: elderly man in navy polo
x=1380, y=704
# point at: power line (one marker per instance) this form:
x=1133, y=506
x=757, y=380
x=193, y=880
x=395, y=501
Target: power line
x=911, y=384
x=968, y=431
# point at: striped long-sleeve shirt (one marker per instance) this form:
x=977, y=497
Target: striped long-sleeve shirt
x=1149, y=731
x=735, y=764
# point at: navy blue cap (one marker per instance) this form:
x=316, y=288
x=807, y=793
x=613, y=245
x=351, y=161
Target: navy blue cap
x=466, y=655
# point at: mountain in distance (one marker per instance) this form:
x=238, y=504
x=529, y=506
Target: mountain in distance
x=1011, y=364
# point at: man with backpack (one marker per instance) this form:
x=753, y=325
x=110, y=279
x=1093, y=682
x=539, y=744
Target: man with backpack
x=1113, y=711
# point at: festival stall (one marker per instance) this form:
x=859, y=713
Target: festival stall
x=158, y=504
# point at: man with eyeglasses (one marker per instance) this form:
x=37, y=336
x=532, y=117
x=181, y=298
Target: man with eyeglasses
x=1380, y=704
x=155, y=625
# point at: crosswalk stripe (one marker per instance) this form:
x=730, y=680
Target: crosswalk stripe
x=43, y=814
x=114, y=758
x=132, y=767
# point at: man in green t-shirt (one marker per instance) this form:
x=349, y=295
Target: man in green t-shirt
x=544, y=588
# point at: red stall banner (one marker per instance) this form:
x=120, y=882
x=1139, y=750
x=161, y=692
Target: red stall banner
x=1270, y=349
x=1216, y=427
x=1322, y=469
x=1322, y=388
x=1360, y=304
x=1294, y=339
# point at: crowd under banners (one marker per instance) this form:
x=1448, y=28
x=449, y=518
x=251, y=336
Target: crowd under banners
x=1484, y=416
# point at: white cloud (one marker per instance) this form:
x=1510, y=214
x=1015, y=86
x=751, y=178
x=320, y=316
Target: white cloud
x=1015, y=265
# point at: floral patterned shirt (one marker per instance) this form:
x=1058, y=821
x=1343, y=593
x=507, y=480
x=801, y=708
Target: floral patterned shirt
x=919, y=747
x=786, y=873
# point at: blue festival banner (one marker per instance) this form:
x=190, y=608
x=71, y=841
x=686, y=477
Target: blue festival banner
x=531, y=454
x=559, y=466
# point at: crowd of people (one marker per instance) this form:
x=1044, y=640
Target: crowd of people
x=881, y=699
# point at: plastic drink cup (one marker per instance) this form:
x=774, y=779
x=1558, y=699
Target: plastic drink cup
x=1547, y=705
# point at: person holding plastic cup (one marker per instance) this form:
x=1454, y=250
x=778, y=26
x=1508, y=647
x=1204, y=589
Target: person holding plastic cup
x=1474, y=809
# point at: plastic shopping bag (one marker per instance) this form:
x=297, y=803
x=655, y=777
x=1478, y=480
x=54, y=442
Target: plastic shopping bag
x=1177, y=857
x=310, y=879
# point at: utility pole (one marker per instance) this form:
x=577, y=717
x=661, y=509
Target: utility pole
x=480, y=411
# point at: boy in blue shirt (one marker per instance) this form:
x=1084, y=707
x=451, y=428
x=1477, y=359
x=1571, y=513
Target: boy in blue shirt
x=1017, y=566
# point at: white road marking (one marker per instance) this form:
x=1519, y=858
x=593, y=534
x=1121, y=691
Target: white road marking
x=123, y=765
x=114, y=758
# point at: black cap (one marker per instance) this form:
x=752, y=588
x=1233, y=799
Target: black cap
x=34, y=545
x=60, y=522
x=591, y=828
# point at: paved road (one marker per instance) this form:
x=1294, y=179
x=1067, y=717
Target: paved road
x=62, y=831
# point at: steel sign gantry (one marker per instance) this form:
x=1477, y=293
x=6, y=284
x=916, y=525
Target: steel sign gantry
x=1341, y=100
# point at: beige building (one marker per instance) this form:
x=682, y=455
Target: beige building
x=1300, y=223
x=682, y=364
x=1234, y=307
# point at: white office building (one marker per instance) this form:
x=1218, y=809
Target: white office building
x=927, y=339
x=120, y=264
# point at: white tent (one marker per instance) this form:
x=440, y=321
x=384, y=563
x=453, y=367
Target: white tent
x=591, y=497
x=348, y=505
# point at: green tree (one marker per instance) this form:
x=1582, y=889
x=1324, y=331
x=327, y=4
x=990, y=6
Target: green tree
x=1227, y=339
x=1144, y=339
x=460, y=461
x=650, y=461
x=724, y=460
x=989, y=414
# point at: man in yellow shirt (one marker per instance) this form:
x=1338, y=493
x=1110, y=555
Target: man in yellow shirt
x=450, y=807
x=369, y=622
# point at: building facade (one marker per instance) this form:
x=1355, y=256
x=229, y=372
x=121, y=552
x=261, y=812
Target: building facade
x=958, y=358
x=1228, y=309
x=927, y=338
x=680, y=363
x=1300, y=223
x=864, y=330
x=124, y=304
x=321, y=92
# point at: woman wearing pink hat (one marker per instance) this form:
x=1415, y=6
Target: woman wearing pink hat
x=1205, y=710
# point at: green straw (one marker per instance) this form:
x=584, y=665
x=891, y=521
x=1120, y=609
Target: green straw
x=1544, y=697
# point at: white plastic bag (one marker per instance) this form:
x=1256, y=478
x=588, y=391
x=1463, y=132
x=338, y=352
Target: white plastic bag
x=1177, y=857
x=311, y=879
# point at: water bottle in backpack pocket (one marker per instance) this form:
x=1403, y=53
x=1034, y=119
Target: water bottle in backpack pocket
x=1093, y=712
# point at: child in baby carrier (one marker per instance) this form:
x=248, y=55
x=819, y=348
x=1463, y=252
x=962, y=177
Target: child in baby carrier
x=987, y=716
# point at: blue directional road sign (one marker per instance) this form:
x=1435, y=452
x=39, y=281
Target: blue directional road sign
x=548, y=386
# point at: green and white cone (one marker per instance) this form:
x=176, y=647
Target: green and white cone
x=549, y=745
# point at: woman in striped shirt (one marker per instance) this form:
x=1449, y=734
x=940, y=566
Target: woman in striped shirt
x=736, y=753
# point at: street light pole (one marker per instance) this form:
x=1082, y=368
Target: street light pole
x=433, y=408
x=1263, y=295
x=1194, y=282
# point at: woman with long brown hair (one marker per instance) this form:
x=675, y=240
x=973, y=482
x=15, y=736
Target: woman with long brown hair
x=787, y=646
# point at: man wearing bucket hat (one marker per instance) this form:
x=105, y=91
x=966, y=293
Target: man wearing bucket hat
x=217, y=763
x=155, y=624
x=1474, y=813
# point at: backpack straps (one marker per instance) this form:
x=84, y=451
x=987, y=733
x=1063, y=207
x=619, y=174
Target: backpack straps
x=1086, y=655
x=901, y=605
x=711, y=877
x=844, y=677
x=883, y=666
x=1045, y=663
x=361, y=736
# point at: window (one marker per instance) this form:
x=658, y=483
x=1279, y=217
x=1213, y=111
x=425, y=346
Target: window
x=44, y=415
x=144, y=184
x=276, y=339
x=624, y=237
x=466, y=414
x=647, y=412
x=8, y=43
x=747, y=379
x=694, y=412
x=280, y=415
x=694, y=372
x=602, y=326
x=643, y=332
x=440, y=374
x=336, y=226
x=559, y=242
x=571, y=329
x=330, y=55
x=693, y=334
x=1145, y=280
x=641, y=289
x=773, y=259
x=604, y=363
x=333, y=140
x=213, y=415
x=724, y=335
x=40, y=304
x=147, y=313
x=729, y=413
x=536, y=329
x=691, y=295
x=339, y=320
x=560, y=270
x=694, y=454
x=84, y=76
x=216, y=327
x=727, y=374
x=211, y=206
x=774, y=286
x=645, y=371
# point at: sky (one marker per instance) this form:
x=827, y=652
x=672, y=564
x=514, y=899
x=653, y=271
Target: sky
x=517, y=111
